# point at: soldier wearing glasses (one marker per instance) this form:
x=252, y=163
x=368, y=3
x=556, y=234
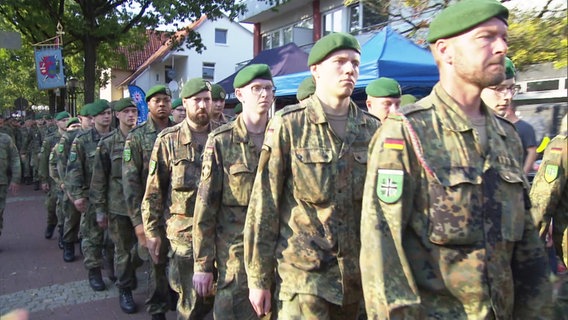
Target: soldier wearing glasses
x=500, y=99
x=229, y=166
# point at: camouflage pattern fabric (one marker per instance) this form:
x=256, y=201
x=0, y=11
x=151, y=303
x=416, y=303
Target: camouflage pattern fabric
x=10, y=170
x=304, y=211
x=549, y=197
x=106, y=195
x=229, y=165
x=136, y=157
x=77, y=182
x=173, y=178
x=445, y=231
x=45, y=157
x=311, y=307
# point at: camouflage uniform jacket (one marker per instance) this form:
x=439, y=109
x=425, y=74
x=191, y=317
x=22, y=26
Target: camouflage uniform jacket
x=80, y=163
x=25, y=139
x=229, y=166
x=549, y=192
x=44, y=155
x=61, y=155
x=105, y=192
x=173, y=178
x=137, y=151
x=10, y=167
x=305, y=205
x=449, y=237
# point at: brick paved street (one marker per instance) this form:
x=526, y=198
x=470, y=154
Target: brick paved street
x=34, y=276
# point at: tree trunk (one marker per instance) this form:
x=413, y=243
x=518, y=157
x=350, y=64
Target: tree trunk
x=89, y=69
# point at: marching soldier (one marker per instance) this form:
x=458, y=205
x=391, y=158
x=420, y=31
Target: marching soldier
x=10, y=172
x=173, y=178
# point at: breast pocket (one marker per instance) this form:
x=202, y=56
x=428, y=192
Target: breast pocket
x=455, y=207
x=312, y=173
x=359, y=172
x=238, y=188
x=185, y=175
x=116, y=165
x=512, y=195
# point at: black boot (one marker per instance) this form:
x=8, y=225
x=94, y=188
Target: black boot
x=68, y=251
x=159, y=316
x=127, y=304
x=36, y=186
x=96, y=279
x=49, y=231
x=60, y=240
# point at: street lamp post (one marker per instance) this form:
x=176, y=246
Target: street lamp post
x=72, y=86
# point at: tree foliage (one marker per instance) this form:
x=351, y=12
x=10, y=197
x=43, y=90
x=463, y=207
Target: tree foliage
x=95, y=28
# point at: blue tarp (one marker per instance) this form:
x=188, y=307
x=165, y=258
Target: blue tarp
x=283, y=60
x=387, y=54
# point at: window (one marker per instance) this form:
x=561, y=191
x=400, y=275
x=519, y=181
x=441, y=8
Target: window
x=542, y=85
x=291, y=33
x=356, y=17
x=208, y=71
x=221, y=36
x=333, y=21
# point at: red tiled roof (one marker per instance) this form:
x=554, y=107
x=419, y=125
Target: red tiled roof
x=135, y=57
x=154, y=53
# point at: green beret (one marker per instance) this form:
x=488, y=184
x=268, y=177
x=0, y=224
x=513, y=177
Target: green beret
x=85, y=109
x=194, y=86
x=71, y=121
x=238, y=108
x=407, y=99
x=38, y=117
x=98, y=107
x=48, y=117
x=217, y=92
x=383, y=87
x=177, y=103
x=463, y=16
x=251, y=72
x=307, y=88
x=509, y=69
x=62, y=115
x=157, y=89
x=331, y=43
x=123, y=103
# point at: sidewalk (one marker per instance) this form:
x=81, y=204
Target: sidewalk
x=34, y=276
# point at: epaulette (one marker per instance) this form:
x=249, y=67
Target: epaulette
x=138, y=127
x=80, y=134
x=108, y=136
x=223, y=128
x=290, y=109
x=411, y=108
x=169, y=130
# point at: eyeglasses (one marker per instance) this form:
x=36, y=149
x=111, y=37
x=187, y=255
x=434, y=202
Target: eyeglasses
x=257, y=90
x=503, y=90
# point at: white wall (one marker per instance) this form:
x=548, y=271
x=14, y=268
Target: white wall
x=188, y=63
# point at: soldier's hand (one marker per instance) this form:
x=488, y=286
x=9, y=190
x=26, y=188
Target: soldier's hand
x=45, y=187
x=14, y=188
x=81, y=204
x=153, y=245
x=203, y=283
x=260, y=300
x=102, y=220
x=139, y=230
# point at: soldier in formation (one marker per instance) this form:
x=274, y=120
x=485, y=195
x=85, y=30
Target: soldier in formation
x=446, y=230
x=171, y=189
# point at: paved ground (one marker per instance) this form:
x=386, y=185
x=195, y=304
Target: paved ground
x=34, y=276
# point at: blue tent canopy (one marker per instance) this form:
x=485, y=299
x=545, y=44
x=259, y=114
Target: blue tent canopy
x=387, y=54
x=283, y=60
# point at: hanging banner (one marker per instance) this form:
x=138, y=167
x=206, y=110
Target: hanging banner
x=49, y=68
x=139, y=97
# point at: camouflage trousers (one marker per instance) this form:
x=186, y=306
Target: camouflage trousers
x=158, y=299
x=26, y=166
x=3, y=194
x=72, y=220
x=561, y=304
x=190, y=305
x=310, y=307
x=232, y=300
x=51, y=205
x=92, y=239
x=121, y=232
